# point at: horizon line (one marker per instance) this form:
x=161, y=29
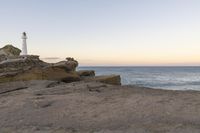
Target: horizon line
x=141, y=66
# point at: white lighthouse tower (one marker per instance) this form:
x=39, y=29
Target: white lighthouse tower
x=24, y=45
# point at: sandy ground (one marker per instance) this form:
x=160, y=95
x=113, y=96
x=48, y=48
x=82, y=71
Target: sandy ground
x=54, y=107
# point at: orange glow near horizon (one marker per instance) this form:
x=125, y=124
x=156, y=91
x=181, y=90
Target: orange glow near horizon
x=107, y=32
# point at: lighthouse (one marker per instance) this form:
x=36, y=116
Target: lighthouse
x=24, y=45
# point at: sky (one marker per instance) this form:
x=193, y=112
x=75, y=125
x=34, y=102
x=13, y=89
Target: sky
x=106, y=32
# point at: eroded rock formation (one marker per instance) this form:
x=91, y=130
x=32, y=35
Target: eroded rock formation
x=32, y=68
x=9, y=51
x=14, y=67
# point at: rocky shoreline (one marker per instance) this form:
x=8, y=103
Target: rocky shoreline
x=42, y=106
x=39, y=97
x=14, y=67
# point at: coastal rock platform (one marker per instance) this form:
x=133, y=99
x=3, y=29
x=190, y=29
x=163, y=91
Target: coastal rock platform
x=93, y=107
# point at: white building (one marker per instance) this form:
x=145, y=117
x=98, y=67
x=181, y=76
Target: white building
x=24, y=45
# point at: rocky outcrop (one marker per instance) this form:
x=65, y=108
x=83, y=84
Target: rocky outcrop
x=10, y=50
x=14, y=67
x=38, y=73
x=69, y=65
x=30, y=67
x=108, y=79
x=84, y=73
x=89, y=75
x=21, y=63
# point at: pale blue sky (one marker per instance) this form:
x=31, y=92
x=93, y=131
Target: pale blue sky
x=106, y=32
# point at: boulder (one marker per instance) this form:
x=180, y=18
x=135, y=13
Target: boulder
x=67, y=65
x=84, y=73
x=71, y=63
x=108, y=79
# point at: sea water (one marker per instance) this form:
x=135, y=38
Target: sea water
x=171, y=78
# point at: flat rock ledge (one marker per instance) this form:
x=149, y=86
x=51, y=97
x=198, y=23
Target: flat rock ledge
x=44, y=106
x=107, y=79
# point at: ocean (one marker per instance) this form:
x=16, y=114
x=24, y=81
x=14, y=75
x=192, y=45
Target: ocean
x=170, y=78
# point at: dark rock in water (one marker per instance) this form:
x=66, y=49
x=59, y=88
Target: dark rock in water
x=84, y=73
